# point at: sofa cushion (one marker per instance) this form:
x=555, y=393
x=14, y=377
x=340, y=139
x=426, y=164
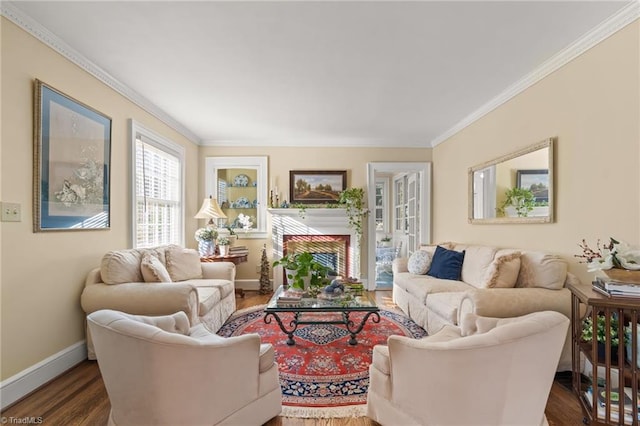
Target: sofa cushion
x=419, y=286
x=207, y=298
x=183, y=264
x=431, y=248
x=538, y=269
x=503, y=271
x=476, y=261
x=121, y=266
x=446, y=264
x=153, y=271
x=225, y=286
x=419, y=262
x=445, y=305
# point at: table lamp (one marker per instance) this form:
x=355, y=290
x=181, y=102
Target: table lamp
x=210, y=210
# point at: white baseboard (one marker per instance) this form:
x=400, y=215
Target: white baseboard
x=26, y=381
x=252, y=284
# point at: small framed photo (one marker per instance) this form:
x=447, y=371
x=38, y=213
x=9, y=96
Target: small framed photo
x=72, y=152
x=316, y=186
x=537, y=181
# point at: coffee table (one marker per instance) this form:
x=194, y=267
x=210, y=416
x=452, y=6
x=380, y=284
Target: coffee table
x=345, y=305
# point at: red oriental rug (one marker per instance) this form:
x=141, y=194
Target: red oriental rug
x=322, y=375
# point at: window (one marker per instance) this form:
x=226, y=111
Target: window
x=158, y=189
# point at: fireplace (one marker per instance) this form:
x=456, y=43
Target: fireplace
x=330, y=250
x=323, y=232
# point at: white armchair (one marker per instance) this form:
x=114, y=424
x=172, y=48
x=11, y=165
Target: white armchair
x=158, y=371
x=490, y=371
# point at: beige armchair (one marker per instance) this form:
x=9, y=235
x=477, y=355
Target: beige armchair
x=490, y=371
x=158, y=371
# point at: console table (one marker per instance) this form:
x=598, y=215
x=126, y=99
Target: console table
x=234, y=258
x=613, y=371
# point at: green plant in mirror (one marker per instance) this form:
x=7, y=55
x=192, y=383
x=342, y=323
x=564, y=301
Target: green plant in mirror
x=521, y=199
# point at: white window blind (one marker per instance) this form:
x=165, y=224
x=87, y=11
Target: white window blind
x=158, y=193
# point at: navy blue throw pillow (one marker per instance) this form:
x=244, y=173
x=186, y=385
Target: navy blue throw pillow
x=446, y=264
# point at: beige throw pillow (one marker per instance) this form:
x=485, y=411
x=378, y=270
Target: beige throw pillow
x=183, y=264
x=121, y=266
x=503, y=271
x=153, y=271
x=542, y=270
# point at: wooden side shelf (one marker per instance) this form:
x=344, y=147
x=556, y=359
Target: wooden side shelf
x=606, y=373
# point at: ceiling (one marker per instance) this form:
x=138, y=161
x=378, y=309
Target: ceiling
x=334, y=73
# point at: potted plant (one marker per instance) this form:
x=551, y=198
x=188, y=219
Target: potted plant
x=601, y=334
x=518, y=202
x=223, y=243
x=353, y=200
x=205, y=238
x=385, y=241
x=302, y=270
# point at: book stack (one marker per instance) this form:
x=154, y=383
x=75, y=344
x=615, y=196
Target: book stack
x=613, y=403
x=238, y=250
x=288, y=298
x=613, y=288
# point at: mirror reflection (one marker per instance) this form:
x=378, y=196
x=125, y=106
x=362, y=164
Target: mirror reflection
x=515, y=188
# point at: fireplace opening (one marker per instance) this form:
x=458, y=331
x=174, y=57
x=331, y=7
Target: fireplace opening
x=331, y=251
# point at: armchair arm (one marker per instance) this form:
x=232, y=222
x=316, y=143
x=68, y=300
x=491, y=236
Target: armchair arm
x=142, y=298
x=219, y=270
x=514, y=302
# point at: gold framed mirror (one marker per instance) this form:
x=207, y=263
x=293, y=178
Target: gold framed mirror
x=514, y=188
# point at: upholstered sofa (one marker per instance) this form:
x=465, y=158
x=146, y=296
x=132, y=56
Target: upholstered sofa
x=494, y=282
x=161, y=281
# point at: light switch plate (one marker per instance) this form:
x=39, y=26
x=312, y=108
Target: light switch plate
x=10, y=212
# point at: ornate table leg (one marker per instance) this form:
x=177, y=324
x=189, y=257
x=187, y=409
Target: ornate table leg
x=349, y=324
x=293, y=324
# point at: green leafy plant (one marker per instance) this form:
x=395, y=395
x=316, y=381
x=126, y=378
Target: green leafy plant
x=522, y=199
x=298, y=266
x=353, y=201
x=223, y=241
x=600, y=330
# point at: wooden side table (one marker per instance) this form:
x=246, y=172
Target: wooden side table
x=234, y=258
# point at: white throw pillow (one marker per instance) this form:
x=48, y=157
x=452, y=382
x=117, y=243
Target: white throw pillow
x=183, y=264
x=153, y=271
x=419, y=262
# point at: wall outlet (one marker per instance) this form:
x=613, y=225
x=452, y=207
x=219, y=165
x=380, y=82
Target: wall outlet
x=10, y=212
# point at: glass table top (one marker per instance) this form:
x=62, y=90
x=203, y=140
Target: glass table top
x=297, y=301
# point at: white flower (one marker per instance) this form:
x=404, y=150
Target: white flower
x=245, y=221
x=617, y=254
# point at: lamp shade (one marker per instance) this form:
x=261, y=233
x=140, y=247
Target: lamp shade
x=210, y=210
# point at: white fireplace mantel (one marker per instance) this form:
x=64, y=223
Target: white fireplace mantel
x=312, y=221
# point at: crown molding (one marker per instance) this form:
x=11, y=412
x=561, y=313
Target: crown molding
x=34, y=28
x=610, y=26
x=314, y=142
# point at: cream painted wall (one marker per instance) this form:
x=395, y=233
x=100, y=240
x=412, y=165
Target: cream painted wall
x=592, y=106
x=283, y=159
x=42, y=274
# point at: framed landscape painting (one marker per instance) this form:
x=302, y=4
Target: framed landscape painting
x=72, y=149
x=537, y=181
x=316, y=186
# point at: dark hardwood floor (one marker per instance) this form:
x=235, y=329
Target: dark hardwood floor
x=78, y=397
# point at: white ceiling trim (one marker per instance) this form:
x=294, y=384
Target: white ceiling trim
x=47, y=37
x=316, y=142
x=607, y=28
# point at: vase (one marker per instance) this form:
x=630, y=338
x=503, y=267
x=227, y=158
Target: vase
x=602, y=353
x=223, y=250
x=206, y=248
x=623, y=275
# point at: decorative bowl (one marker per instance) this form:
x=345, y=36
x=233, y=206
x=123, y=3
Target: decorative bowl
x=623, y=275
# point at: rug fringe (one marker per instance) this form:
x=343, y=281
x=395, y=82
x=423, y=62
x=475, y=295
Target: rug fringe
x=324, y=412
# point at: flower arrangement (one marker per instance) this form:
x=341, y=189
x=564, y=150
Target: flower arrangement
x=600, y=330
x=245, y=222
x=615, y=254
x=223, y=241
x=206, y=234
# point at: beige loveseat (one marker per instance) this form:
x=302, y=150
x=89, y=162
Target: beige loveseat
x=161, y=281
x=500, y=283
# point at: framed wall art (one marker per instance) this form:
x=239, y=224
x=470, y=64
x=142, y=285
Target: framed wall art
x=316, y=186
x=537, y=181
x=72, y=151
